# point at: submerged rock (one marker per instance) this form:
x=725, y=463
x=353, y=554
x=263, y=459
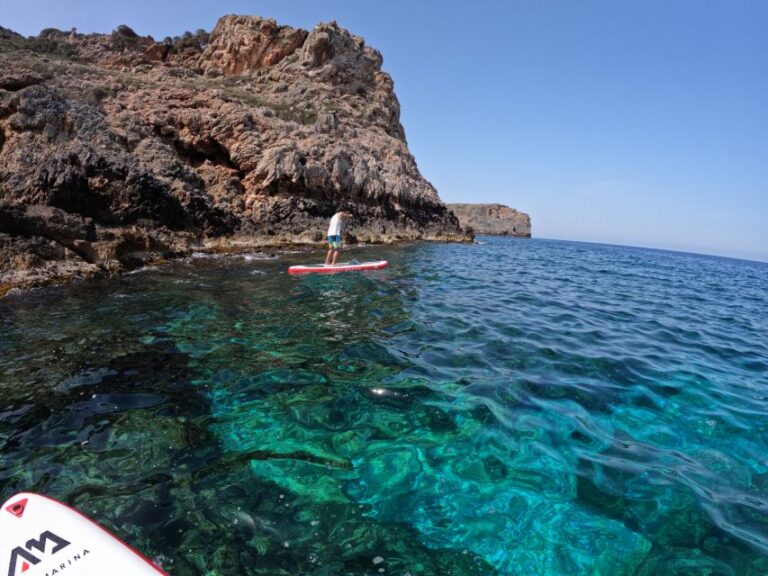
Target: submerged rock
x=252, y=135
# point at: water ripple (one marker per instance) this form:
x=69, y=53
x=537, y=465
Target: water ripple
x=512, y=408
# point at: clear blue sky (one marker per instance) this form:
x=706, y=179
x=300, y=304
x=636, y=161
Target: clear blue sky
x=641, y=122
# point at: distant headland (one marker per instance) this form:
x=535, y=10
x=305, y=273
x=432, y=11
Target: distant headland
x=495, y=219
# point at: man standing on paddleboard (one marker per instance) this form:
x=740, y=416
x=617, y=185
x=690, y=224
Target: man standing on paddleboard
x=334, y=237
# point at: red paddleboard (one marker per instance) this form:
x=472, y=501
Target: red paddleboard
x=42, y=537
x=343, y=267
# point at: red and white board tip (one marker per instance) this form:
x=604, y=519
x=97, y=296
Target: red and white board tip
x=42, y=537
x=343, y=267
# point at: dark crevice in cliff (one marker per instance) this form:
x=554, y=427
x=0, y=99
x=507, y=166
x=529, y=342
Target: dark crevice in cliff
x=210, y=150
x=16, y=83
x=205, y=150
x=78, y=198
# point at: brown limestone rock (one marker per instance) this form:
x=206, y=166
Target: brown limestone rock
x=158, y=51
x=246, y=43
x=124, y=150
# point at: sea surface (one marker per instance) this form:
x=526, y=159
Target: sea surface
x=513, y=407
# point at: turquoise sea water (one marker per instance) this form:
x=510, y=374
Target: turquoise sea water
x=512, y=408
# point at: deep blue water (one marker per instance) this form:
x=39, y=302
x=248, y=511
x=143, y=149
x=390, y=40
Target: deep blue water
x=514, y=407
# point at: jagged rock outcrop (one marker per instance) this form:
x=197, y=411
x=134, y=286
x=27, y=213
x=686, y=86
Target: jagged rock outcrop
x=241, y=43
x=251, y=135
x=495, y=219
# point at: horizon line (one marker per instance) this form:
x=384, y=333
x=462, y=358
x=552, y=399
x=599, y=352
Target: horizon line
x=640, y=247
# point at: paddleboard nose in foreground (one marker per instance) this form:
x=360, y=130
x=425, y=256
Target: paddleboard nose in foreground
x=41, y=536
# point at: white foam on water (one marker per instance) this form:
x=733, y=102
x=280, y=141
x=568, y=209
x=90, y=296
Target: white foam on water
x=259, y=256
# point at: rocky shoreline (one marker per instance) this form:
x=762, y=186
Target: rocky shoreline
x=117, y=150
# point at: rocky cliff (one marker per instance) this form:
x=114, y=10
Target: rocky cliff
x=116, y=150
x=495, y=219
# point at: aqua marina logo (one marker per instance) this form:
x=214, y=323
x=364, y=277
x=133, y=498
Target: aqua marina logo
x=33, y=552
